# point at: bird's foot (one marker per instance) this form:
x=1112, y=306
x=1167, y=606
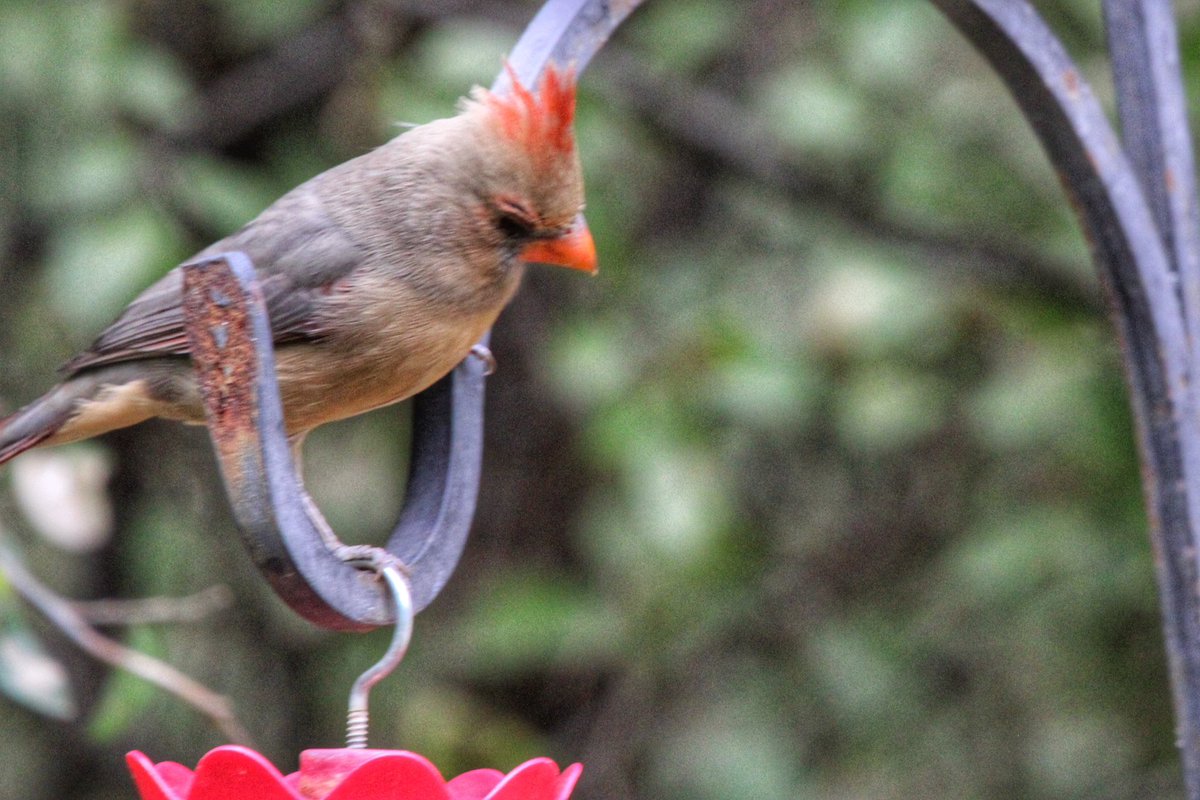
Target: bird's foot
x=330, y=539
x=485, y=355
x=369, y=557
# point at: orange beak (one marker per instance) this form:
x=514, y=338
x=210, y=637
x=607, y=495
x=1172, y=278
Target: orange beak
x=574, y=249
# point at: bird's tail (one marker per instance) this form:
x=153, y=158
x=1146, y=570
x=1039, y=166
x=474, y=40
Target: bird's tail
x=13, y=446
x=32, y=425
x=40, y=421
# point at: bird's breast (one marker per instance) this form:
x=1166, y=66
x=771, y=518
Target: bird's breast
x=381, y=344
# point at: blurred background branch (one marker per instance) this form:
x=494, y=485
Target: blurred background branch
x=66, y=617
x=717, y=133
x=156, y=610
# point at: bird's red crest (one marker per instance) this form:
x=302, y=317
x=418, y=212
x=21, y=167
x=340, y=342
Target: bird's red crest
x=542, y=121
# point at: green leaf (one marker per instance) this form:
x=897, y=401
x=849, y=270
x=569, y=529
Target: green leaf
x=591, y=363
x=225, y=196
x=685, y=36
x=460, y=54
x=732, y=741
x=268, y=20
x=767, y=390
x=97, y=172
x=154, y=87
x=888, y=42
x=530, y=621
x=1043, y=393
x=96, y=266
x=126, y=696
x=812, y=109
x=874, y=304
x=26, y=48
x=884, y=407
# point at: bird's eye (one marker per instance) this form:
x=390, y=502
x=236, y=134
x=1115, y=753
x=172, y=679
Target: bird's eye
x=514, y=227
x=514, y=220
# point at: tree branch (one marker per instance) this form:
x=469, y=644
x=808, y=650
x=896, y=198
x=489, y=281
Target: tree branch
x=63, y=614
x=156, y=610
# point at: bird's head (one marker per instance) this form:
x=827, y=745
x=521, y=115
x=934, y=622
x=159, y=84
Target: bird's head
x=530, y=186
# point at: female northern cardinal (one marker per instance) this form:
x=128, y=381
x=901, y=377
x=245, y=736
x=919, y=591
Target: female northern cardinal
x=379, y=275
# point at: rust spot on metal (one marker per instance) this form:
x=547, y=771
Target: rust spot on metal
x=1071, y=81
x=222, y=346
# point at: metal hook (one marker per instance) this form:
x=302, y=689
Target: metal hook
x=358, y=718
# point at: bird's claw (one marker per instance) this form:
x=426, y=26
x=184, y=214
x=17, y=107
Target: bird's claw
x=369, y=557
x=485, y=355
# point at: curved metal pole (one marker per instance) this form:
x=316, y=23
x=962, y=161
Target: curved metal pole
x=1144, y=45
x=286, y=535
x=1139, y=276
x=448, y=417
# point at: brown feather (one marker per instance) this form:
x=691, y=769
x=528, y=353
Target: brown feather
x=15, y=446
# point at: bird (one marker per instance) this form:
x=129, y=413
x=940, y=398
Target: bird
x=379, y=275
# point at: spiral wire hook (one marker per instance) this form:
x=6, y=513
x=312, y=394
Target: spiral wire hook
x=358, y=717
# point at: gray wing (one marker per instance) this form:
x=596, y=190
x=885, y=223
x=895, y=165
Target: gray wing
x=298, y=252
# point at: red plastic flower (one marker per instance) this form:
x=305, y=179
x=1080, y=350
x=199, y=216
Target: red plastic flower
x=238, y=773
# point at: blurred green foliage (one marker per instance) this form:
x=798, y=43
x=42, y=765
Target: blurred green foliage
x=826, y=487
